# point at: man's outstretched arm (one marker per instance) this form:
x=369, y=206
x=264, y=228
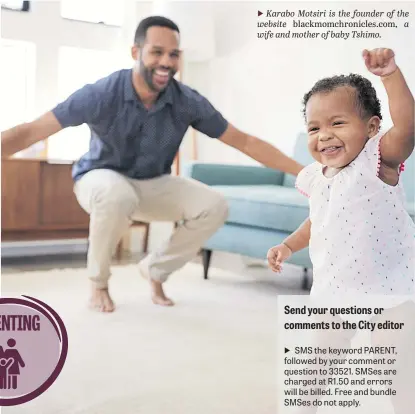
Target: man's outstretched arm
x=25, y=135
x=259, y=150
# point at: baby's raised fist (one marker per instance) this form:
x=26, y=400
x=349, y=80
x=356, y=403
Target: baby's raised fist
x=380, y=62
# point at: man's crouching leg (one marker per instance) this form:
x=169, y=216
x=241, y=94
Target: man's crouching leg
x=110, y=201
x=202, y=211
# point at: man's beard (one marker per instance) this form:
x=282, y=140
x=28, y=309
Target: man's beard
x=147, y=74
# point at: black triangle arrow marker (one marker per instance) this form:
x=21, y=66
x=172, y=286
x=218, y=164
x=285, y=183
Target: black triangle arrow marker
x=287, y=350
x=260, y=13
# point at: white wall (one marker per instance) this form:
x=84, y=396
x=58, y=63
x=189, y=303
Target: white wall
x=259, y=84
x=45, y=27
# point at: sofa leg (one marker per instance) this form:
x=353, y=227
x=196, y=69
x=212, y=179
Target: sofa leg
x=207, y=254
x=304, y=285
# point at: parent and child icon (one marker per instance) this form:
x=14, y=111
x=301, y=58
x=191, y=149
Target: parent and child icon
x=10, y=363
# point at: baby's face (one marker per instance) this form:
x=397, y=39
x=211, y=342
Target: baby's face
x=3, y=362
x=336, y=131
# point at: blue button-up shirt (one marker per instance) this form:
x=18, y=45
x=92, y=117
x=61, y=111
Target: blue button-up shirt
x=126, y=136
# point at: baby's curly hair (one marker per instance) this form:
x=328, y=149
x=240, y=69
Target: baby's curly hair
x=367, y=101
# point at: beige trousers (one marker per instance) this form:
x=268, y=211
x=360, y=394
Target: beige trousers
x=113, y=200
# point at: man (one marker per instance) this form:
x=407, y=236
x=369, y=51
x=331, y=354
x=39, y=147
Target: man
x=138, y=118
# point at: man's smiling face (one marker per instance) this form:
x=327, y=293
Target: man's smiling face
x=159, y=57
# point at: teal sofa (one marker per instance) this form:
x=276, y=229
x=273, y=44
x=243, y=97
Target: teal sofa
x=265, y=207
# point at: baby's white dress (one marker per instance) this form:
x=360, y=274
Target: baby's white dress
x=362, y=237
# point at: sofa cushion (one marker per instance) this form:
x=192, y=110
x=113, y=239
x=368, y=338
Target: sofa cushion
x=267, y=206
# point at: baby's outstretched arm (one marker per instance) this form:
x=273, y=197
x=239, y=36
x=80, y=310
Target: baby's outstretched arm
x=296, y=241
x=398, y=143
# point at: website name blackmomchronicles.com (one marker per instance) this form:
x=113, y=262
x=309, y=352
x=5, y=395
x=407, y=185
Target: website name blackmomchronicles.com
x=342, y=24
x=334, y=24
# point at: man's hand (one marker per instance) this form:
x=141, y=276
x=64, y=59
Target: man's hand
x=259, y=150
x=380, y=62
x=276, y=255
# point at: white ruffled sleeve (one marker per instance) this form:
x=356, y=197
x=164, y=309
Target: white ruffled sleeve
x=305, y=179
x=371, y=153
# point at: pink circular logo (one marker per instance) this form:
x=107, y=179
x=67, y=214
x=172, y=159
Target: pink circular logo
x=33, y=349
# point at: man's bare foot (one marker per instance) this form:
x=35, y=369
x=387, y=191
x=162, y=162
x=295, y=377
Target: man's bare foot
x=157, y=293
x=101, y=300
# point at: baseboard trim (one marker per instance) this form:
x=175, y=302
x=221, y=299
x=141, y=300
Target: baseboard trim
x=39, y=248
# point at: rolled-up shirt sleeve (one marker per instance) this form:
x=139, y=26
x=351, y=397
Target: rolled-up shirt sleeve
x=207, y=119
x=82, y=107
